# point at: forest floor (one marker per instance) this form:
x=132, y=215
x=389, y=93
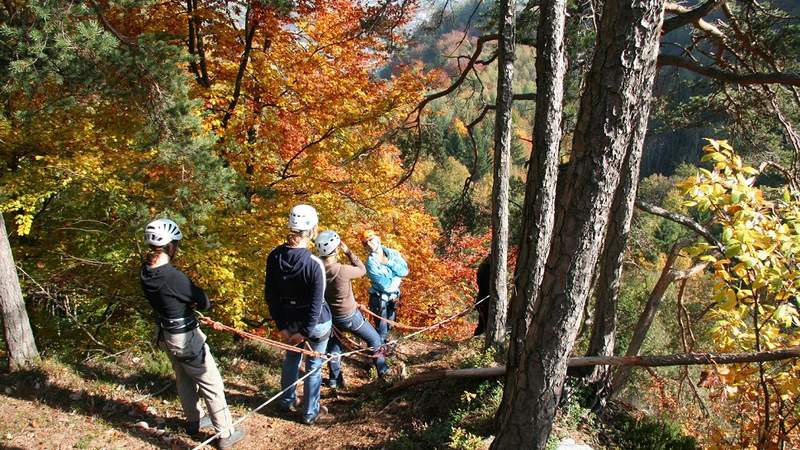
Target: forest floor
x=129, y=401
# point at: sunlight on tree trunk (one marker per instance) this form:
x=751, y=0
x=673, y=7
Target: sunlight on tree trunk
x=609, y=280
x=540, y=191
x=16, y=327
x=496, y=324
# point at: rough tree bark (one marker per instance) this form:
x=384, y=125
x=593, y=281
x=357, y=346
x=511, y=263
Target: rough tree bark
x=614, y=106
x=17, y=332
x=496, y=322
x=539, y=205
x=604, y=325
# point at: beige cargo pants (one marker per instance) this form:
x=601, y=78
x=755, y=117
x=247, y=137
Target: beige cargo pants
x=197, y=377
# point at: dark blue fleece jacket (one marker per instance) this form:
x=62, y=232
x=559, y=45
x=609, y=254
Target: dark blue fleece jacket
x=294, y=288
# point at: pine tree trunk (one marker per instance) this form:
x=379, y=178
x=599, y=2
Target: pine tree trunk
x=614, y=106
x=540, y=191
x=16, y=327
x=496, y=323
x=604, y=325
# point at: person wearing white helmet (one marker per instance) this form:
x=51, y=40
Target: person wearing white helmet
x=294, y=289
x=339, y=295
x=174, y=298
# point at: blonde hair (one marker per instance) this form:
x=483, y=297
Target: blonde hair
x=294, y=238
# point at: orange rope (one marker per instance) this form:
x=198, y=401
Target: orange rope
x=390, y=322
x=221, y=326
x=291, y=348
x=345, y=340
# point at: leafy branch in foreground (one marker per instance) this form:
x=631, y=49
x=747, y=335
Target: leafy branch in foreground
x=757, y=285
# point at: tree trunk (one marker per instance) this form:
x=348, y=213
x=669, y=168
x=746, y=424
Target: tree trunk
x=648, y=314
x=540, y=190
x=16, y=327
x=614, y=108
x=604, y=325
x=496, y=323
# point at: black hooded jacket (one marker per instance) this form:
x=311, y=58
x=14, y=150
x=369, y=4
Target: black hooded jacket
x=294, y=288
x=171, y=293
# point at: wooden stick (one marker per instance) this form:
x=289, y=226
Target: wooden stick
x=681, y=359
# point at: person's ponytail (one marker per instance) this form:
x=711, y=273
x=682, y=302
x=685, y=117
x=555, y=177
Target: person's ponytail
x=152, y=255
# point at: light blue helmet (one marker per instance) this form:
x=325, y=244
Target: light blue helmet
x=327, y=242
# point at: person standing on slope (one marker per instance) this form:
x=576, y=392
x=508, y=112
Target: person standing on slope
x=294, y=289
x=174, y=297
x=339, y=295
x=386, y=268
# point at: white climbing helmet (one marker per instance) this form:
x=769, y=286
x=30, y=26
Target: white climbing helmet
x=303, y=218
x=161, y=232
x=327, y=242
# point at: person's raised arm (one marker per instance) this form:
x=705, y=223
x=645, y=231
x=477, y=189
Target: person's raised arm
x=355, y=269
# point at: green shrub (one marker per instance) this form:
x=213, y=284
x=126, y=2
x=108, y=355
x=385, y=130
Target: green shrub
x=652, y=434
x=461, y=439
x=157, y=364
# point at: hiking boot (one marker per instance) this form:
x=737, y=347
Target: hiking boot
x=193, y=428
x=293, y=408
x=338, y=382
x=395, y=373
x=323, y=411
x=235, y=437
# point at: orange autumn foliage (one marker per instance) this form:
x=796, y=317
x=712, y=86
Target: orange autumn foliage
x=299, y=112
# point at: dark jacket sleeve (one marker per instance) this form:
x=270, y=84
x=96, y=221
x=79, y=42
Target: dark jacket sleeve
x=316, y=275
x=188, y=292
x=271, y=294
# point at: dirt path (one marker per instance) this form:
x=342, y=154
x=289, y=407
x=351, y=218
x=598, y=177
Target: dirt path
x=98, y=406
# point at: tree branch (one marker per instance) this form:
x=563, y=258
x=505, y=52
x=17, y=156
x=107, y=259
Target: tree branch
x=683, y=220
x=196, y=41
x=285, y=172
x=237, y=88
x=788, y=79
x=463, y=76
x=110, y=28
x=793, y=184
x=431, y=97
x=680, y=359
x=687, y=16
